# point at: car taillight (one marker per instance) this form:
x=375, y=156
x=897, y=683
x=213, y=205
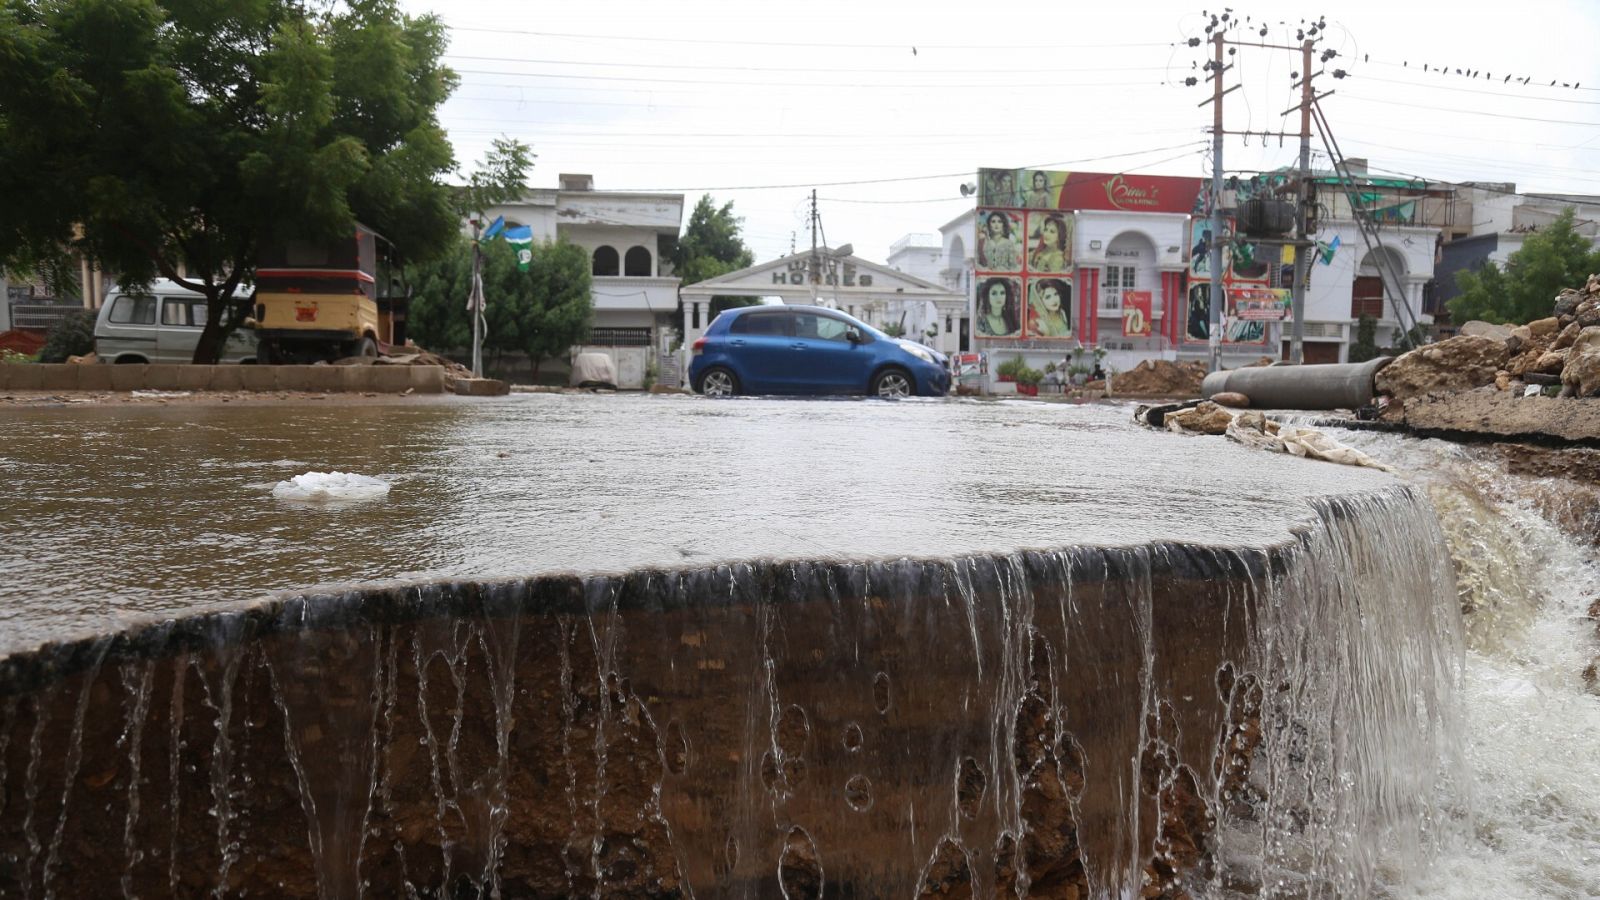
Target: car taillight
x=699, y=346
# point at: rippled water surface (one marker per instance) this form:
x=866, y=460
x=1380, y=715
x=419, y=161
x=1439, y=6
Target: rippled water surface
x=126, y=511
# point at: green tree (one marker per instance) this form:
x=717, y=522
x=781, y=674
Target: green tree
x=711, y=246
x=540, y=312
x=1553, y=258
x=176, y=139
x=1365, y=346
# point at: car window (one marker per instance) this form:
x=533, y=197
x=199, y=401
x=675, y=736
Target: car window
x=761, y=323
x=128, y=310
x=825, y=328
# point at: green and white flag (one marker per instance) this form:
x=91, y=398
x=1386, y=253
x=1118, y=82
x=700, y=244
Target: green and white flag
x=521, y=240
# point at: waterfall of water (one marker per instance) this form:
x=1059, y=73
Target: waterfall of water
x=1525, y=822
x=1166, y=720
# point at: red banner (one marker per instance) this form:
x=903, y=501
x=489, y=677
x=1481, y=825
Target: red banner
x=1134, y=193
x=1136, y=313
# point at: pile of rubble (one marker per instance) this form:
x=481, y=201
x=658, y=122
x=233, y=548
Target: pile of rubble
x=1160, y=377
x=1556, y=356
x=1252, y=429
x=408, y=355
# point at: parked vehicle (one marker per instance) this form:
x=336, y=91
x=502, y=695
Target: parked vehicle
x=160, y=325
x=327, y=300
x=810, y=350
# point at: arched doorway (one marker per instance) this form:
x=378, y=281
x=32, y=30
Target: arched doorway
x=1367, y=292
x=1130, y=266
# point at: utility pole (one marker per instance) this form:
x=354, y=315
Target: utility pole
x=1302, y=247
x=475, y=303
x=814, y=274
x=1214, y=332
x=1220, y=25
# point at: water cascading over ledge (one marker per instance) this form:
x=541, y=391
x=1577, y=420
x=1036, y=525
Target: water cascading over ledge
x=1164, y=720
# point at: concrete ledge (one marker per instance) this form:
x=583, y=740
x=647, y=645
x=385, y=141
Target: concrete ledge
x=479, y=387
x=1502, y=414
x=161, y=377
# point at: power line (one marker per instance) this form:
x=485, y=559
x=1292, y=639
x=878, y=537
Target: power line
x=1471, y=72
x=625, y=90
x=806, y=69
x=1467, y=90
x=1475, y=112
x=768, y=187
x=835, y=45
x=1488, y=163
x=1069, y=181
x=813, y=84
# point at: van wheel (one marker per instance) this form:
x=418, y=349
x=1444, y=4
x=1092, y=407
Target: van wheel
x=366, y=347
x=893, y=384
x=719, y=382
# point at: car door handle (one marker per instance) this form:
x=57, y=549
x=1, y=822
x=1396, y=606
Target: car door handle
x=737, y=342
x=797, y=345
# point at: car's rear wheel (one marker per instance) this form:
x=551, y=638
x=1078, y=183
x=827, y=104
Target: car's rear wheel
x=893, y=383
x=719, y=382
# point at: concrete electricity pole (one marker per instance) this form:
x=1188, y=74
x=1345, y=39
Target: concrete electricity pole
x=1302, y=243
x=1214, y=332
x=1302, y=211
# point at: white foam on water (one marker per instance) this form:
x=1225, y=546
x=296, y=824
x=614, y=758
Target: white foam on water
x=330, y=487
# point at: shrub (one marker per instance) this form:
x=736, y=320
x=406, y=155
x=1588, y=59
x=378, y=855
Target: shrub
x=72, y=336
x=1365, y=346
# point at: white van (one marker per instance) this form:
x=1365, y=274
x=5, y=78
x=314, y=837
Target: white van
x=161, y=325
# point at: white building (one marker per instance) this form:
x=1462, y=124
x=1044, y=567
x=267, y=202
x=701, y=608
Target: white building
x=877, y=294
x=635, y=292
x=1134, y=240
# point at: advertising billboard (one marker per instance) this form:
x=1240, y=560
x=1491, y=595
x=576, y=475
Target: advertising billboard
x=1249, y=299
x=1136, y=313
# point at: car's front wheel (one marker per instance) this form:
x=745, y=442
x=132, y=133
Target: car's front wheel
x=893, y=383
x=718, y=382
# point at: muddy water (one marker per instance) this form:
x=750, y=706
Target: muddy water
x=123, y=513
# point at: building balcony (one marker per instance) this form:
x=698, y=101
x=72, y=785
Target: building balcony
x=635, y=293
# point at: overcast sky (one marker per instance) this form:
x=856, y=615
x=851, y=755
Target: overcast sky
x=887, y=108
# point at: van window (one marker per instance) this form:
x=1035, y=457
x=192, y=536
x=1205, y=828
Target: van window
x=185, y=311
x=129, y=310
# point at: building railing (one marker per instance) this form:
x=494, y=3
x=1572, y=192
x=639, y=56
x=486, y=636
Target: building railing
x=618, y=337
x=41, y=316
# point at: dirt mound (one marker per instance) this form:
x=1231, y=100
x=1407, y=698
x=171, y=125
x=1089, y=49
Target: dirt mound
x=408, y=355
x=1162, y=377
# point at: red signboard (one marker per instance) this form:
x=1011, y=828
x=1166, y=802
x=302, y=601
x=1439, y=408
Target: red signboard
x=1133, y=193
x=1136, y=313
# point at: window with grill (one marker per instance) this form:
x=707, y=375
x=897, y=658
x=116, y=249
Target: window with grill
x=1118, y=279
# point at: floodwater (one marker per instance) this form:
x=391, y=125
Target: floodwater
x=117, y=514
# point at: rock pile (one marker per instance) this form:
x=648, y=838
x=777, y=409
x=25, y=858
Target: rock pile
x=1161, y=377
x=1556, y=355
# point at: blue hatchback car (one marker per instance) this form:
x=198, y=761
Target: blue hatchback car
x=810, y=350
